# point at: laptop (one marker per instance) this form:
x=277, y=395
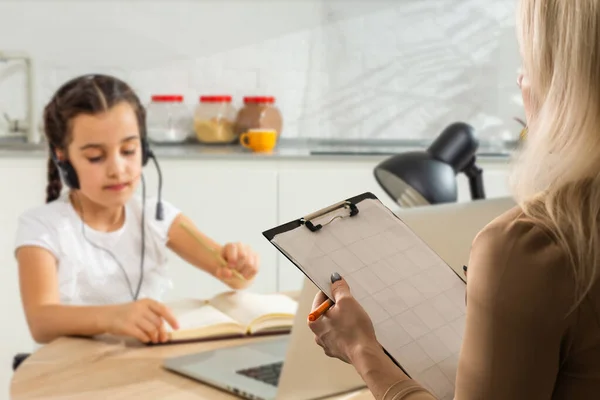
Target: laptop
x=293, y=367
x=288, y=366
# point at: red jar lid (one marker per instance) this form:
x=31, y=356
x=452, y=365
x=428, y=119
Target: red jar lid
x=167, y=98
x=259, y=99
x=216, y=99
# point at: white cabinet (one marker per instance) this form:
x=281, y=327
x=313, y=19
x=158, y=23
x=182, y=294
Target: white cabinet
x=227, y=201
x=24, y=186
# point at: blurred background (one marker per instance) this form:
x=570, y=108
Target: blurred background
x=338, y=69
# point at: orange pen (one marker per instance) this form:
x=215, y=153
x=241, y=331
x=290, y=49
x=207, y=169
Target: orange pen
x=322, y=309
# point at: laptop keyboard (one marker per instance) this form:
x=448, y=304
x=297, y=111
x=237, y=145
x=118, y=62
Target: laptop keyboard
x=268, y=373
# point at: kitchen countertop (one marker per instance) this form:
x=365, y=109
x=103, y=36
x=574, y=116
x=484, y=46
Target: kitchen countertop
x=286, y=149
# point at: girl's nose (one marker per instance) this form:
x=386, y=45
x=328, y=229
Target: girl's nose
x=116, y=166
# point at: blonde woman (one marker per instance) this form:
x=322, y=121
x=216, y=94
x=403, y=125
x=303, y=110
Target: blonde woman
x=533, y=302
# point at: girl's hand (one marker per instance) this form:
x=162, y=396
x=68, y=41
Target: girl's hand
x=240, y=258
x=142, y=319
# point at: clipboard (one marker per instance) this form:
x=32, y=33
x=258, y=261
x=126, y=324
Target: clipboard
x=415, y=300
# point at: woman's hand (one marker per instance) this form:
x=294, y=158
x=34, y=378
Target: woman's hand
x=142, y=319
x=345, y=328
x=240, y=258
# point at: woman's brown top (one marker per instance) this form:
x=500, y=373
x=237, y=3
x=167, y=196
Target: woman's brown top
x=520, y=341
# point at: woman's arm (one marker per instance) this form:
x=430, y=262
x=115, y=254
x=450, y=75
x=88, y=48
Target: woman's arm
x=383, y=378
x=239, y=257
x=517, y=303
x=346, y=332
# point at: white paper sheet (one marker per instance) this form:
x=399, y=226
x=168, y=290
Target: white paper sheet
x=415, y=300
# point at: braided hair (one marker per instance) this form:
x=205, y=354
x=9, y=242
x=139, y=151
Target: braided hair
x=87, y=94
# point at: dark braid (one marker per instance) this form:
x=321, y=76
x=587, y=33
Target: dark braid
x=54, y=183
x=55, y=130
x=87, y=94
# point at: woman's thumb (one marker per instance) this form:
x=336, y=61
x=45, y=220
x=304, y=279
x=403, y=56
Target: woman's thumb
x=339, y=287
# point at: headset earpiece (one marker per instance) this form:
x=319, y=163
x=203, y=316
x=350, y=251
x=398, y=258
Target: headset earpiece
x=146, y=152
x=66, y=170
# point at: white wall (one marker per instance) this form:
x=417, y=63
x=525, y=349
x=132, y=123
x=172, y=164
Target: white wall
x=339, y=68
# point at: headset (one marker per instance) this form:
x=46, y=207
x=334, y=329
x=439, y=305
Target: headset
x=70, y=178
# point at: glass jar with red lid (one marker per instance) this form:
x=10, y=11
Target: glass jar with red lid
x=168, y=119
x=258, y=112
x=213, y=119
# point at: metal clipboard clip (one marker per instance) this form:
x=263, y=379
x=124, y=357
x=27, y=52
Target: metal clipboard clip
x=353, y=210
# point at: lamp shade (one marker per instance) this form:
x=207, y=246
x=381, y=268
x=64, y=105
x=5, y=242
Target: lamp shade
x=416, y=178
x=456, y=146
x=429, y=177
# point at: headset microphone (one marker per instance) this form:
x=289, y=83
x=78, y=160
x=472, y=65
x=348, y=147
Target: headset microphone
x=159, y=205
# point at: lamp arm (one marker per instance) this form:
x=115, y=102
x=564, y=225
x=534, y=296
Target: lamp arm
x=475, y=176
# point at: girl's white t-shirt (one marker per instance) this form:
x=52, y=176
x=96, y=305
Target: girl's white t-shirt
x=87, y=274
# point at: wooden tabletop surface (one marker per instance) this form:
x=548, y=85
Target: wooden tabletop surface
x=116, y=368
x=108, y=367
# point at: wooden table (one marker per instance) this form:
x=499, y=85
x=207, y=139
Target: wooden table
x=108, y=367
x=115, y=368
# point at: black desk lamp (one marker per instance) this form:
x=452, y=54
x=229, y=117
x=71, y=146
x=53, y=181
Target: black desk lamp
x=429, y=177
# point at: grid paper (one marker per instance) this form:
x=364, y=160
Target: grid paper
x=415, y=300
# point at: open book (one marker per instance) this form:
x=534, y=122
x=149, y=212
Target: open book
x=232, y=314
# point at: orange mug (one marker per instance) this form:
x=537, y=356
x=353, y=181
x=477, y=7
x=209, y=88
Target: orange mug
x=259, y=140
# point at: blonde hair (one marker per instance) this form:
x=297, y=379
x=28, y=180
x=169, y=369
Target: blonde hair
x=556, y=176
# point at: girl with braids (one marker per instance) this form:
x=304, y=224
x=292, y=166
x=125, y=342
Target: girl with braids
x=80, y=255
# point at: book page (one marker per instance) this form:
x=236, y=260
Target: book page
x=195, y=314
x=248, y=307
x=415, y=300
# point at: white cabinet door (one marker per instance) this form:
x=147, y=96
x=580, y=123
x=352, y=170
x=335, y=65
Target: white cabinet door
x=304, y=190
x=229, y=202
x=24, y=184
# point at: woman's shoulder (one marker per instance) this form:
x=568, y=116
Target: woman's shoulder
x=515, y=229
x=516, y=254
